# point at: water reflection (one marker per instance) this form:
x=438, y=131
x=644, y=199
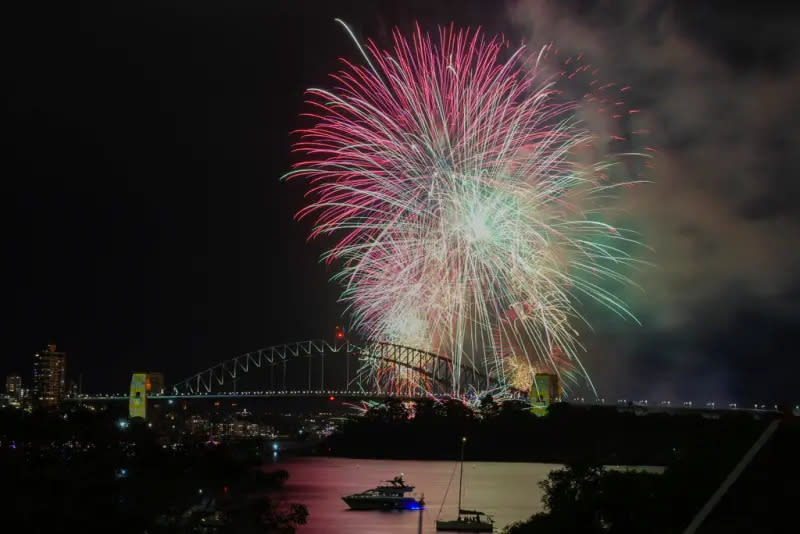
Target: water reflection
x=507, y=491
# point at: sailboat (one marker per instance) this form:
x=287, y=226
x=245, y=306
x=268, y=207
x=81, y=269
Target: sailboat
x=467, y=520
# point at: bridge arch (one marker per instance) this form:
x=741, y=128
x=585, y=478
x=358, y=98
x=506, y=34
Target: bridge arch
x=233, y=368
x=433, y=367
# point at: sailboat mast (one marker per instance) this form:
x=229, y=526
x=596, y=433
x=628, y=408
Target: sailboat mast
x=461, y=475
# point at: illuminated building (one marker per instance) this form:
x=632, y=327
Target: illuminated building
x=546, y=389
x=49, y=377
x=14, y=386
x=197, y=424
x=137, y=405
x=238, y=429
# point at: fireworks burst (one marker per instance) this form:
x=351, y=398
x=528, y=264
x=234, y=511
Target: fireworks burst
x=465, y=190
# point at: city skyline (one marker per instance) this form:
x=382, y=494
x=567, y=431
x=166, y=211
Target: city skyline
x=149, y=228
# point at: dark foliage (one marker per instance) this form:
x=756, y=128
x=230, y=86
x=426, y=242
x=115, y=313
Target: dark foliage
x=86, y=474
x=610, y=436
x=584, y=498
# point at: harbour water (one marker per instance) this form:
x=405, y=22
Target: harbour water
x=507, y=491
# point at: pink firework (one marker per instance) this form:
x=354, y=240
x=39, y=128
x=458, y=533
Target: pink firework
x=465, y=189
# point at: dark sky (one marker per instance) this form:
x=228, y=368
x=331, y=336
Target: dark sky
x=144, y=225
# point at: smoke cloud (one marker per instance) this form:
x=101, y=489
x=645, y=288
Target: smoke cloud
x=721, y=216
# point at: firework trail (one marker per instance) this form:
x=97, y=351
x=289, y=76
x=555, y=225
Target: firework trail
x=464, y=188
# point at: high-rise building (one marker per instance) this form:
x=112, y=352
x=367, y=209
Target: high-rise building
x=14, y=386
x=49, y=377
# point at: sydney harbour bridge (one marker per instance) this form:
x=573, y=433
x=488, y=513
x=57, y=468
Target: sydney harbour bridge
x=346, y=370
x=320, y=368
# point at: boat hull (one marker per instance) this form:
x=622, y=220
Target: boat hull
x=381, y=503
x=464, y=526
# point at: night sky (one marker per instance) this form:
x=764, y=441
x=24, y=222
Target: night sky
x=144, y=226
